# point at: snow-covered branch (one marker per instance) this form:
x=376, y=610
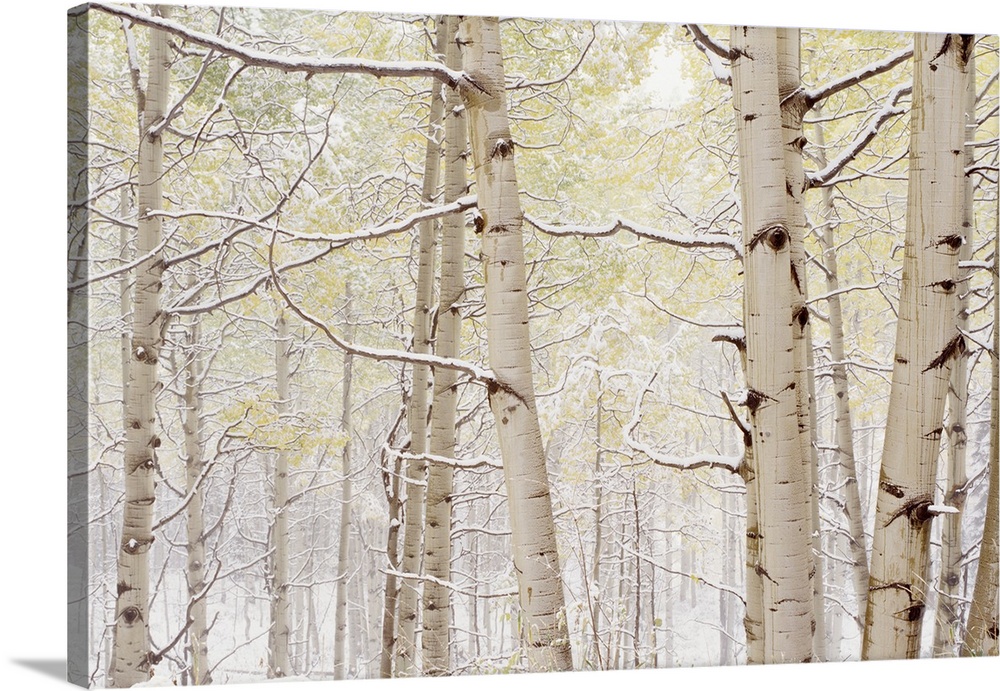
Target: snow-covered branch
x=474, y=371
x=727, y=463
x=181, y=306
x=814, y=96
x=458, y=463
x=688, y=241
x=716, y=54
x=863, y=138
x=391, y=228
x=309, y=66
x=708, y=42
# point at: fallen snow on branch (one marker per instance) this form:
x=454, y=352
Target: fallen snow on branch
x=391, y=228
x=259, y=58
x=701, y=460
x=689, y=241
x=462, y=463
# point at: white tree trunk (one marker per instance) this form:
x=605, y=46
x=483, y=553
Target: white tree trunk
x=413, y=513
x=392, y=485
x=927, y=340
x=200, y=670
x=793, y=108
x=440, y=482
x=595, y=577
x=131, y=648
x=340, y=665
x=948, y=619
x=512, y=398
x=279, y=633
x=982, y=635
x=782, y=478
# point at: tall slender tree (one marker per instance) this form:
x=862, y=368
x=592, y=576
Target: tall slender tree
x=793, y=109
x=948, y=617
x=194, y=461
x=927, y=342
x=340, y=663
x=982, y=634
x=131, y=649
x=440, y=481
x=279, y=663
x=782, y=483
x=418, y=411
x=512, y=396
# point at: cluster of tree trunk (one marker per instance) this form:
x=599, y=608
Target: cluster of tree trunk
x=787, y=616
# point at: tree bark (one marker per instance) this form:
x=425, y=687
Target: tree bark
x=131, y=648
x=595, y=578
x=982, y=636
x=392, y=485
x=512, y=398
x=783, y=482
x=278, y=664
x=200, y=670
x=417, y=415
x=440, y=477
x=344, y=542
x=927, y=340
x=793, y=109
x=948, y=617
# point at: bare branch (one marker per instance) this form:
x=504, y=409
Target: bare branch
x=728, y=463
x=474, y=371
x=693, y=241
x=814, y=96
x=885, y=113
x=391, y=228
x=308, y=66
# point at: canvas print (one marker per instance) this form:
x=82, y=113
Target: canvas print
x=413, y=345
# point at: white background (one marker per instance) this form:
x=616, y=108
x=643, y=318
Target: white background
x=32, y=337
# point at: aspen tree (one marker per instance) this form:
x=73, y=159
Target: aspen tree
x=927, y=341
x=417, y=412
x=278, y=662
x=512, y=396
x=194, y=518
x=844, y=427
x=982, y=635
x=948, y=617
x=440, y=481
x=786, y=563
x=343, y=544
x=793, y=109
x=133, y=658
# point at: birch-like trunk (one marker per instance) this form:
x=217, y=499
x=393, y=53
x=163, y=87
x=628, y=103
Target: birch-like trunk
x=131, y=648
x=416, y=470
x=927, y=340
x=783, y=482
x=391, y=479
x=844, y=428
x=948, y=617
x=793, y=108
x=344, y=543
x=278, y=663
x=440, y=477
x=753, y=618
x=512, y=397
x=982, y=631
x=200, y=671
x=595, y=576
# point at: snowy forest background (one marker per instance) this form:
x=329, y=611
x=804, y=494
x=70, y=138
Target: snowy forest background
x=629, y=336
